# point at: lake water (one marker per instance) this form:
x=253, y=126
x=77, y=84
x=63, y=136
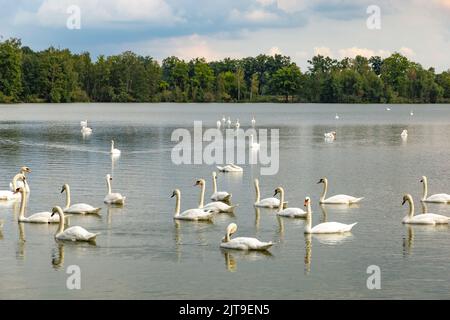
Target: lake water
x=142, y=253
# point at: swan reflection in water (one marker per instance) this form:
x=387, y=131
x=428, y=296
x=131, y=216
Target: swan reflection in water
x=231, y=257
x=197, y=228
x=58, y=256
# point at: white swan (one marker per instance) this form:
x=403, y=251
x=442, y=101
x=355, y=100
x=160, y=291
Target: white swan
x=7, y=195
x=411, y=113
x=436, y=198
x=288, y=212
x=253, y=122
x=404, y=133
x=388, y=109
x=230, y=168
x=79, y=208
x=242, y=243
x=86, y=130
x=83, y=123
x=336, y=116
x=198, y=214
x=253, y=145
x=216, y=206
x=337, y=199
x=223, y=119
x=229, y=122
x=219, y=195
x=75, y=233
x=237, y=125
x=114, y=151
x=325, y=227
x=425, y=218
x=20, y=183
x=330, y=135
x=266, y=202
x=218, y=124
x=112, y=198
x=40, y=217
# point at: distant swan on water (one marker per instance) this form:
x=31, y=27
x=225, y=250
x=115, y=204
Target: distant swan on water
x=40, y=217
x=75, y=233
x=215, y=206
x=435, y=198
x=325, y=227
x=242, y=243
x=114, y=151
x=112, y=198
x=230, y=168
x=8, y=195
x=404, y=133
x=79, y=208
x=20, y=183
x=425, y=218
x=337, y=199
x=197, y=214
x=253, y=122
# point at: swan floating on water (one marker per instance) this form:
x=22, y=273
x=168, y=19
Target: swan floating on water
x=40, y=217
x=237, y=125
x=218, y=124
x=288, y=212
x=20, y=183
x=404, y=133
x=253, y=145
x=411, y=113
x=425, y=218
x=388, y=109
x=436, y=198
x=336, y=116
x=242, y=243
x=8, y=195
x=230, y=168
x=337, y=199
x=78, y=208
x=266, y=202
x=218, y=195
x=75, y=233
x=83, y=123
x=114, y=151
x=253, y=122
x=330, y=135
x=325, y=227
x=197, y=214
x=216, y=206
x=112, y=198
x=229, y=122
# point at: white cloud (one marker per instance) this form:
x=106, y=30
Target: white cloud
x=292, y=5
x=407, y=52
x=355, y=51
x=323, y=51
x=100, y=12
x=257, y=15
x=274, y=50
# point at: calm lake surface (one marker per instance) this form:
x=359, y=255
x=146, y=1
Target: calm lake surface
x=143, y=254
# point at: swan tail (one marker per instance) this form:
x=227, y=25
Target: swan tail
x=357, y=200
x=227, y=198
x=219, y=168
x=351, y=226
x=96, y=210
x=93, y=237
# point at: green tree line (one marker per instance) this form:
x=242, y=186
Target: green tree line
x=55, y=75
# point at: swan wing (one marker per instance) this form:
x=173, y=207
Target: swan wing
x=245, y=243
x=82, y=208
x=292, y=212
x=218, y=206
x=342, y=198
x=43, y=217
x=220, y=195
x=115, y=198
x=196, y=214
x=268, y=203
x=420, y=219
x=439, y=197
x=77, y=233
x=332, y=227
x=438, y=218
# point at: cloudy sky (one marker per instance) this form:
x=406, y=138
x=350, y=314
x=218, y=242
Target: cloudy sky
x=214, y=29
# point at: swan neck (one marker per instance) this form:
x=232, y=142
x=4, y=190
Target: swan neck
x=177, y=205
x=67, y=196
x=112, y=146
x=280, y=206
x=108, y=183
x=325, y=189
x=61, y=222
x=14, y=181
x=425, y=189
x=227, y=237
x=214, y=184
x=258, y=196
x=202, y=196
x=22, y=205
x=411, y=208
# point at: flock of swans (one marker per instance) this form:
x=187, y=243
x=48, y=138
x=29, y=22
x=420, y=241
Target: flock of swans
x=220, y=203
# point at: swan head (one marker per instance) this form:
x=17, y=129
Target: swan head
x=231, y=229
x=64, y=187
x=56, y=209
x=406, y=197
x=322, y=180
x=256, y=181
x=175, y=192
x=307, y=201
x=277, y=191
x=199, y=182
x=424, y=179
x=108, y=177
x=25, y=170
